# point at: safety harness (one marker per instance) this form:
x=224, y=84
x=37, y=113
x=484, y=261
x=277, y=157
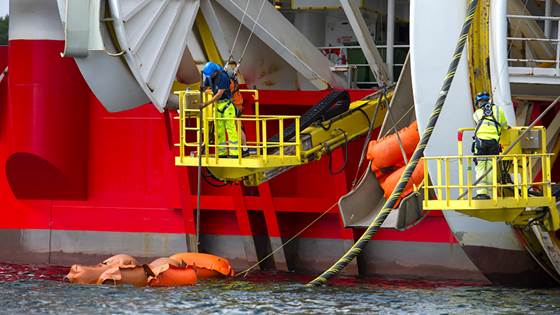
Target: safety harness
x=488, y=115
x=227, y=92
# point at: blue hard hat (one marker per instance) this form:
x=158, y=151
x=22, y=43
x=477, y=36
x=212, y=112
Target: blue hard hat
x=482, y=96
x=210, y=67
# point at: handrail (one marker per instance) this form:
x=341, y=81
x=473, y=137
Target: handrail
x=533, y=17
x=262, y=124
x=530, y=62
x=521, y=173
x=454, y=187
x=342, y=59
x=359, y=47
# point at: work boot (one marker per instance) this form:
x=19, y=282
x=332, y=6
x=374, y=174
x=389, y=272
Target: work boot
x=482, y=197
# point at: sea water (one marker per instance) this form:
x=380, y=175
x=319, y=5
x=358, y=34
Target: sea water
x=28, y=289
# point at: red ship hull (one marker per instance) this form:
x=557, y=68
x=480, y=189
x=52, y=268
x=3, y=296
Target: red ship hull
x=117, y=189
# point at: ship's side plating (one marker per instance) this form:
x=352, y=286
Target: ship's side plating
x=130, y=198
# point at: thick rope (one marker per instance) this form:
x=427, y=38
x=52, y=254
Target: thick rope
x=360, y=244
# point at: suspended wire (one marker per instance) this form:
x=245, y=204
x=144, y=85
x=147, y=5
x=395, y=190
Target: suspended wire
x=399, y=140
x=238, y=31
x=252, y=31
x=295, y=56
x=246, y=271
x=405, y=115
x=375, y=225
x=368, y=137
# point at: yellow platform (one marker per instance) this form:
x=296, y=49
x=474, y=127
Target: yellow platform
x=453, y=188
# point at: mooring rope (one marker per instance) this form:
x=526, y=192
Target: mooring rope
x=418, y=153
x=246, y=271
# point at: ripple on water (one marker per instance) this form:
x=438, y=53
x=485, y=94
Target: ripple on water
x=28, y=289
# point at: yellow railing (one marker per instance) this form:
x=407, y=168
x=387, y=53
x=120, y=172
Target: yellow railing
x=453, y=183
x=454, y=186
x=265, y=152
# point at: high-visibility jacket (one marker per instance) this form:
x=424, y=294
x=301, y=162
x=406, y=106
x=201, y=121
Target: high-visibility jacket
x=491, y=127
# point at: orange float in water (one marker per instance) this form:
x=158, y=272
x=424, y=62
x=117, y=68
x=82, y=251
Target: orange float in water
x=386, y=152
x=133, y=275
x=178, y=270
x=168, y=272
x=206, y=265
x=90, y=274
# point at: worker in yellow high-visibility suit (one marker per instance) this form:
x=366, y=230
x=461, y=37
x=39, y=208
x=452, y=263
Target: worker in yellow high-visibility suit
x=490, y=122
x=217, y=79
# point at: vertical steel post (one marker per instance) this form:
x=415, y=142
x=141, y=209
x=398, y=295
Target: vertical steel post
x=547, y=22
x=199, y=170
x=390, y=53
x=358, y=24
x=558, y=50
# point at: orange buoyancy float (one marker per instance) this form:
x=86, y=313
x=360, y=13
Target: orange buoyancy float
x=168, y=272
x=206, y=265
x=178, y=270
x=386, y=152
x=391, y=181
x=90, y=274
x=134, y=275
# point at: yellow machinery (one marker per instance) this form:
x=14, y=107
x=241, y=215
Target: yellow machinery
x=521, y=199
x=271, y=155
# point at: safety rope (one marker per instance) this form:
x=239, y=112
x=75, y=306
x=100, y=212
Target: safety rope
x=398, y=121
x=396, y=131
x=252, y=31
x=418, y=153
x=246, y=271
x=238, y=31
x=499, y=76
x=294, y=55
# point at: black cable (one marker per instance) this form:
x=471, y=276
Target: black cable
x=365, y=114
x=326, y=128
x=331, y=172
x=210, y=175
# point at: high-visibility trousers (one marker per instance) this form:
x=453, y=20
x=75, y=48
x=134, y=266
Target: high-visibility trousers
x=485, y=147
x=482, y=166
x=226, y=109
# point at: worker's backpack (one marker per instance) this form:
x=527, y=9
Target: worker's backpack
x=236, y=96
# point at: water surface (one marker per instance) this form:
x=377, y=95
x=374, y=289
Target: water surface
x=38, y=290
